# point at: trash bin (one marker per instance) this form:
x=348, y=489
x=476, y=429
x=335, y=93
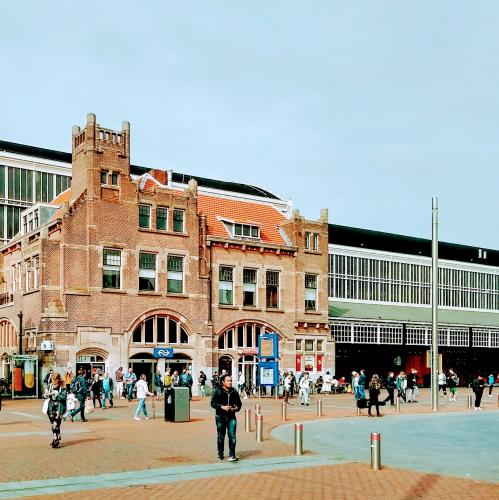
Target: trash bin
x=177, y=404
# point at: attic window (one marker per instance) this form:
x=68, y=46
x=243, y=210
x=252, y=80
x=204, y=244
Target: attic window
x=246, y=231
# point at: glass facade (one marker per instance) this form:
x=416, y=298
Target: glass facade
x=388, y=280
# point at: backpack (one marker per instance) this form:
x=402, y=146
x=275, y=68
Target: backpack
x=76, y=386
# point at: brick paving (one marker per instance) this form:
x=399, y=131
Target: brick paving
x=114, y=443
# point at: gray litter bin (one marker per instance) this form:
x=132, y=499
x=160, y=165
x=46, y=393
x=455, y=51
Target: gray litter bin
x=177, y=404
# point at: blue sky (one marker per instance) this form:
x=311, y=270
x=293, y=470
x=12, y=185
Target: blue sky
x=369, y=108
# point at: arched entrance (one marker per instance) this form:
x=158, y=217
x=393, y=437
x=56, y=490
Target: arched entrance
x=92, y=360
x=225, y=363
x=180, y=363
x=143, y=363
x=248, y=366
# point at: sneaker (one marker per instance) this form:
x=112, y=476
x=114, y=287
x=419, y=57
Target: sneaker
x=147, y=418
x=136, y=418
x=476, y=408
x=233, y=459
x=220, y=457
x=479, y=408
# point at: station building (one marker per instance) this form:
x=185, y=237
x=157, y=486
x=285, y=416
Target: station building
x=127, y=260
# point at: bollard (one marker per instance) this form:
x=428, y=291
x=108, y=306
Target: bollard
x=498, y=400
x=298, y=439
x=470, y=401
x=247, y=420
x=358, y=410
x=257, y=411
x=319, y=407
x=284, y=412
x=397, y=407
x=259, y=428
x=375, y=451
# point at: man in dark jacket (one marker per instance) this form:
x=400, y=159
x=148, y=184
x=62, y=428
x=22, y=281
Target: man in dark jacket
x=390, y=387
x=477, y=385
x=226, y=402
x=79, y=387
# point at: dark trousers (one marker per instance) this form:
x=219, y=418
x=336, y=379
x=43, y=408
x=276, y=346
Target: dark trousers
x=401, y=394
x=81, y=409
x=491, y=386
x=96, y=397
x=390, y=396
x=229, y=425
x=478, y=398
x=373, y=402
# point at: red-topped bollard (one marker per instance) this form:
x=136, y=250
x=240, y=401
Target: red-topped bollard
x=375, y=451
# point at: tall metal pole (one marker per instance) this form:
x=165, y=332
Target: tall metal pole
x=434, y=305
x=20, y=316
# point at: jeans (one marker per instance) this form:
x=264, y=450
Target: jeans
x=129, y=390
x=390, y=396
x=106, y=395
x=304, y=396
x=81, y=408
x=202, y=390
x=229, y=425
x=119, y=389
x=141, y=407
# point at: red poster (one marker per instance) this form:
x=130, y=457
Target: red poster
x=319, y=362
x=298, y=362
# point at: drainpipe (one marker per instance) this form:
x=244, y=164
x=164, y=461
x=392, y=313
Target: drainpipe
x=20, y=316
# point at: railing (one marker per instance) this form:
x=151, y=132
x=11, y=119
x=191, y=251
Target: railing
x=6, y=298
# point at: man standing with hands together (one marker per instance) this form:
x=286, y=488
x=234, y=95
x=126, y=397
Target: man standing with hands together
x=226, y=403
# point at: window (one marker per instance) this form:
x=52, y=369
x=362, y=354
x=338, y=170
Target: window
x=272, y=291
x=226, y=285
x=246, y=231
x=310, y=292
x=144, y=216
x=298, y=344
x=103, y=177
x=160, y=330
x=111, y=269
x=244, y=335
x=25, y=224
x=249, y=287
x=178, y=220
x=36, y=268
x=319, y=345
x=309, y=345
x=147, y=271
x=175, y=265
x=162, y=218
x=27, y=274
x=311, y=241
x=114, y=178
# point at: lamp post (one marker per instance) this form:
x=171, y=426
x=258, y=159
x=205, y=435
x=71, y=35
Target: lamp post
x=20, y=316
x=434, y=305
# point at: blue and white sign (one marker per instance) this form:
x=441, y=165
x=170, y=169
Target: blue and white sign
x=268, y=346
x=268, y=373
x=163, y=352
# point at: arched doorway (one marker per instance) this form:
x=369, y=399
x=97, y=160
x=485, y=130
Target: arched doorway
x=180, y=363
x=248, y=366
x=92, y=361
x=143, y=363
x=225, y=363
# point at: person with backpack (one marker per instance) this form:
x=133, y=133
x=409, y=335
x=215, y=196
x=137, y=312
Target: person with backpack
x=158, y=384
x=56, y=393
x=374, y=389
x=478, y=385
x=401, y=384
x=202, y=383
x=79, y=388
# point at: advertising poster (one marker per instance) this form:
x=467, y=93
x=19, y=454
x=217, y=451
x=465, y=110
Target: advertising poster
x=298, y=363
x=267, y=376
x=309, y=362
x=319, y=362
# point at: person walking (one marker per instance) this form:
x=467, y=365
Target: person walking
x=305, y=390
x=48, y=378
x=158, y=384
x=241, y=383
x=79, y=387
x=202, y=383
x=478, y=385
x=168, y=379
x=452, y=384
x=57, y=395
x=442, y=382
x=362, y=383
x=374, y=391
x=415, y=385
x=175, y=379
x=226, y=402
x=288, y=380
x=96, y=389
x=119, y=382
x=401, y=383
x=68, y=377
x=130, y=378
x=491, y=381
x=358, y=394
x=70, y=404
x=190, y=382
x=142, y=393
x=326, y=384
x=390, y=387
x=107, y=390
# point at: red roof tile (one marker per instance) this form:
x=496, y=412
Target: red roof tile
x=265, y=216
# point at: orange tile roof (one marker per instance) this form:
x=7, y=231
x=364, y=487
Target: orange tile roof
x=265, y=216
x=62, y=197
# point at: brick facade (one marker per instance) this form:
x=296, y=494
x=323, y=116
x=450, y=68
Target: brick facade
x=71, y=307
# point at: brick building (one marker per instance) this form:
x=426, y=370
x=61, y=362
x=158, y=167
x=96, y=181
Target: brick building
x=124, y=262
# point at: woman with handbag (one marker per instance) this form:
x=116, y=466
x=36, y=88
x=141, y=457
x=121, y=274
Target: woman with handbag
x=56, y=395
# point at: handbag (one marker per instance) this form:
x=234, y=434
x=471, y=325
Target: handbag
x=89, y=406
x=45, y=406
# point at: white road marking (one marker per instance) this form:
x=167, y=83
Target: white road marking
x=27, y=415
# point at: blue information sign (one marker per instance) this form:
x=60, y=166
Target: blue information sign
x=268, y=373
x=163, y=352
x=268, y=346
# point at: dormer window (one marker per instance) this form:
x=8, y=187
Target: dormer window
x=246, y=231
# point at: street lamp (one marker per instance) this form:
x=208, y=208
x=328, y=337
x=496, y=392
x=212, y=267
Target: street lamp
x=20, y=316
x=434, y=305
